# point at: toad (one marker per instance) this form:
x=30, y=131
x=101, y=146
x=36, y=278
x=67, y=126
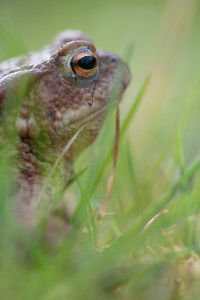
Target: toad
x=64, y=88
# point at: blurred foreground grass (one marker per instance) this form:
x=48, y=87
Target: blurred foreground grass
x=157, y=169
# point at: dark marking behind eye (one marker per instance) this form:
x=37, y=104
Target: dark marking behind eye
x=87, y=62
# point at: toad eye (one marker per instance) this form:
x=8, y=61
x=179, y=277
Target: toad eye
x=84, y=64
x=87, y=62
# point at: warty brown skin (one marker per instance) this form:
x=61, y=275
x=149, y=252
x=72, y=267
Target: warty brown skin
x=59, y=98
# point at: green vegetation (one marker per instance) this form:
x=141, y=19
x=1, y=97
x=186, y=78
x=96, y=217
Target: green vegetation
x=121, y=255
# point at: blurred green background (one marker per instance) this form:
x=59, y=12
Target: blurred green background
x=162, y=139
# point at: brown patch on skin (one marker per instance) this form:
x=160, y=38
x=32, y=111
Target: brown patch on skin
x=28, y=162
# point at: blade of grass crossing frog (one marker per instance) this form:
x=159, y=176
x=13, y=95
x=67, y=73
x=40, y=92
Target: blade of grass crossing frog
x=8, y=158
x=5, y=180
x=7, y=225
x=109, y=155
x=58, y=160
x=127, y=238
x=8, y=149
x=6, y=217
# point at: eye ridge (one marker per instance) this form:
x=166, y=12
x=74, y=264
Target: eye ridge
x=87, y=62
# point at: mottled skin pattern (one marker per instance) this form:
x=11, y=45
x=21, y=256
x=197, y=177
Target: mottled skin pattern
x=56, y=104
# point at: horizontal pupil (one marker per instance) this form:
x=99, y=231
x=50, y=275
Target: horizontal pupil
x=87, y=62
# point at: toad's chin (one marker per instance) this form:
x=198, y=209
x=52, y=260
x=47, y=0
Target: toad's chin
x=83, y=115
x=87, y=113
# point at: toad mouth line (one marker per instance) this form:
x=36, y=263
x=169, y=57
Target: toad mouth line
x=89, y=117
